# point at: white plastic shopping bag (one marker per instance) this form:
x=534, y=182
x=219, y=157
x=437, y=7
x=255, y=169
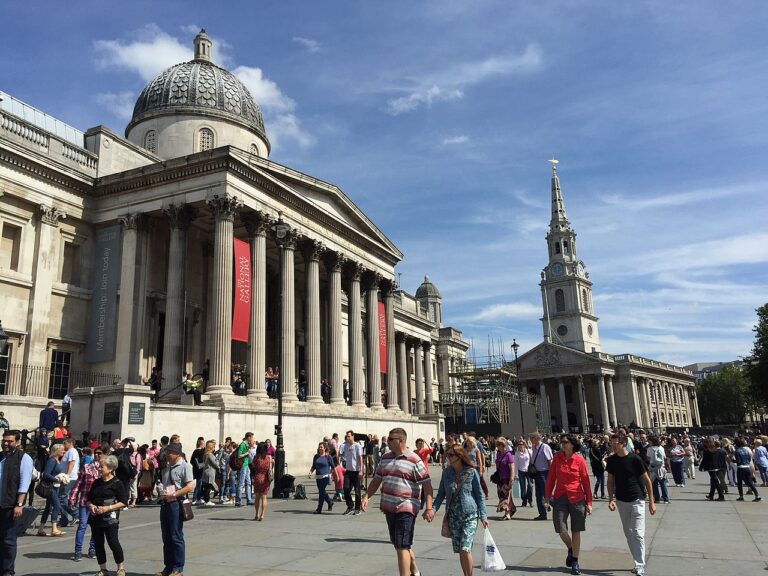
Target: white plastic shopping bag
x=492, y=560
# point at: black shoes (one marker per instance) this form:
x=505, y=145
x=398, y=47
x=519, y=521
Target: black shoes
x=575, y=567
x=569, y=558
x=318, y=511
x=757, y=499
x=541, y=517
x=330, y=505
x=348, y=511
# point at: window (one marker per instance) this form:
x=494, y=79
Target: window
x=666, y=394
x=10, y=247
x=557, y=247
x=559, y=301
x=254, y=150
x=562, y=330
x=565, y=246
x=206, y=139
x=150, y=141
x=5, y=362
x=70, y=267
x=585, y=299
x=58, y=385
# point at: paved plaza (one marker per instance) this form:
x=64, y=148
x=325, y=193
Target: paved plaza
x=690, y=536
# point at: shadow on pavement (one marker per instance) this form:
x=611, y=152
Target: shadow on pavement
x=363, y=540
x=61, y=555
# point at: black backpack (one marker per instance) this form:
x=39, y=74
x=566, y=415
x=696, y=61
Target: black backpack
x=235, y=462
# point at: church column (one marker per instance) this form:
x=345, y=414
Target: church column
x=334, y=262
x=603, y=403
x=544, y=404
x=563, y=407
x=257, y=223
x=688, y=420
x=402, y=374
x=428, y=396
x=224, y=209
x=181, y=216
x=389, y=313
x=373, y=368
x=637, y=414
x=127, y=337
x=648, y=403
x=312, y=251
x=418, y=364
x=355, y=333
x=288, y=319
x=611, y=403
x=583, y=412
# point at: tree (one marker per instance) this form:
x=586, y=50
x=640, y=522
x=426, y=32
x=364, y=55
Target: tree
x=724, y=397
x=757, y=363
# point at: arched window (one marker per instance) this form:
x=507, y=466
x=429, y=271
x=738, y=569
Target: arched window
x=559, y=301
x=254, y=150
x=205, y=139
x=666, y=393
x=565, y=246
x=150, y=141
x=585, y=299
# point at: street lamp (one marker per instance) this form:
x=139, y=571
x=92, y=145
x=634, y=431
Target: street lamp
x=515, y=347
x=3, y=340
x=281, y=230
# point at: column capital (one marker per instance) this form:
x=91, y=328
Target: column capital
x=400, y=337
x=355, y=270
x=334, y=260
x=130, y=221
x=580, y=378
x=224, y=207
x=51, y=216
x=180, y=215
x=387, y=287
x=256, y=223
x=426, y=345
x=313, y=249
x=371, y=280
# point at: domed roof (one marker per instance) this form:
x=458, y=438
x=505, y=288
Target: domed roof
x=199, y=87
x=427, y=290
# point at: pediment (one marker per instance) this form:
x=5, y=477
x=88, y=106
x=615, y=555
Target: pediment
x=547, y=355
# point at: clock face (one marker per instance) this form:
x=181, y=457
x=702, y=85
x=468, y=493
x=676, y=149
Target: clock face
x=557, y=269
x=562, y=330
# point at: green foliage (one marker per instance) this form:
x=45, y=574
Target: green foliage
x=757, y=363
x=725, y=397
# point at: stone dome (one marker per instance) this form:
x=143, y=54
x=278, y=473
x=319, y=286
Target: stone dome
x=199, y=88
x=427, y=290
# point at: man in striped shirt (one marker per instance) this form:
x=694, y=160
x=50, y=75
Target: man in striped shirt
x=401, y=475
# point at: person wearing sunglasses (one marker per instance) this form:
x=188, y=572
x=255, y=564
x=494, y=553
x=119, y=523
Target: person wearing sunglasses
x=568, y=484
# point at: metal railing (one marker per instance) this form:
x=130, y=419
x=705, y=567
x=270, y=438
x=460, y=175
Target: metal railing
x=38, y=380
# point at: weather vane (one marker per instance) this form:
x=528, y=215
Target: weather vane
x=554, y=163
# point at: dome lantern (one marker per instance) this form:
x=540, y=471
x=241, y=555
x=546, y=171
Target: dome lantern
x=203, y=46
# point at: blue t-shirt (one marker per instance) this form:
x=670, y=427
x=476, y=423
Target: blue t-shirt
x=322, y=465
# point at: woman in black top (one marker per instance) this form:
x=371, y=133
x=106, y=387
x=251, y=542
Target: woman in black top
x=107, y=496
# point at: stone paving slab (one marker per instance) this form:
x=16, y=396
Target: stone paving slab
x=689, y=537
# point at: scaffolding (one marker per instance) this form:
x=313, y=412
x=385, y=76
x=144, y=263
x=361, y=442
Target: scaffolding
x=486, y=390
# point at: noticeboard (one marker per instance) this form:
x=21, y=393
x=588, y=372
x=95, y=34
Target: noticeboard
x=136, y=412
x=111, y=413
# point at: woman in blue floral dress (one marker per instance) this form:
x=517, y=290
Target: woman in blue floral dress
x=461, y=490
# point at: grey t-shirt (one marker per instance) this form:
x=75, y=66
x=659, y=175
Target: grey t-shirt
x=179, y=474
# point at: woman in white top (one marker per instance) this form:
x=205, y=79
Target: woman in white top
x=522, y=461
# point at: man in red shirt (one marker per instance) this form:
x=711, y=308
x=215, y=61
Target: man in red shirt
x=423, y=451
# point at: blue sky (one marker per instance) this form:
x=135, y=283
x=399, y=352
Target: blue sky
x=437, y=119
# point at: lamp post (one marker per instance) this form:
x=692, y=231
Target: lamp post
x=515, y=347
x=281, y=230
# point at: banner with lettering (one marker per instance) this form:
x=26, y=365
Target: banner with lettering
x=102, y=328
x=382, y=339
x=241, y=309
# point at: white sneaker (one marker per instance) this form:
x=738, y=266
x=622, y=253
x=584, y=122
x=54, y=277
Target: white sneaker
x=210, y=503
x=228, y=503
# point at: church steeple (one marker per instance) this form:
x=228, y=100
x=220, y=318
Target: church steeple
x=565, y=286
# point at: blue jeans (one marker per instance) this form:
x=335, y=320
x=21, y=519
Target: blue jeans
x=599, y=482
x=244, y=479
x=663, y=485
x=227, y=487
x=52, y=507
x=541, y=482
x=172, y=529
x=322, y=495
x=198, y=493
x=68, y=514
x=525, y=487
x=7, y=541
x=678, y=473
x=83, y=515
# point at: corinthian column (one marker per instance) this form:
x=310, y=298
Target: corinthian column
x=389, y=313
x=418, y=362
x=603, y=403
x=224, y=209
x=583, y=412
x=257, y=223
x=373, y=371
x=404, y=399
x=563, y=407
x=334, y=262
x=611, y=402
x=288, y=319
x=127, y=337
x=180, y=216
x=428, y=394
x=312, y=252
x=355, y=332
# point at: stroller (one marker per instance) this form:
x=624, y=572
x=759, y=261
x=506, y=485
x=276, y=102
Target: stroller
x=285, y=487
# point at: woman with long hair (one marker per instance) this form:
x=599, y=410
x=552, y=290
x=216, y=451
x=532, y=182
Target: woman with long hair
x=461, y=490
x=322, y=466
x=261, y=466
x=522, y=461
x=597, y=454
x=568, y=484
x=107, y=496
x=210, y=465
x=657, y=459
x=51, y=475
x=505, y=467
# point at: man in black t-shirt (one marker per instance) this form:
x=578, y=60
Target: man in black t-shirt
x=627, y=480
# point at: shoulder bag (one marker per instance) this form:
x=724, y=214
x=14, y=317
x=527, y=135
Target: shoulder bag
x=44, y=489
x=186, y=510
x=532, y=472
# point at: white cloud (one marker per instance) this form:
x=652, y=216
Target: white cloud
x=312, y=46
x=120, y=104
x=448, y=85
x=512, y=310
x=455, y=140
x=682, y=198
x=421, y=97
x=287, y=127
x=266, y=92
x=150, y=53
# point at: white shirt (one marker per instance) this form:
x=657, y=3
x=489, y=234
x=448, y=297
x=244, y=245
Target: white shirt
x=71, y=455
x=352, y=454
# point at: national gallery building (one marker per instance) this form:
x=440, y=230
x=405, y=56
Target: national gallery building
x=182, y=247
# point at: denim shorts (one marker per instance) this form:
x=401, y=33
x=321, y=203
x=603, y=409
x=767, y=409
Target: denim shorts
x=401, y=525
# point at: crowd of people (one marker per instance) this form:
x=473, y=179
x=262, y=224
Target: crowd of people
x=89, y=483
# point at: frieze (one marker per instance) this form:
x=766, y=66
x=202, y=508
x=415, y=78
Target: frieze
x=547, y=357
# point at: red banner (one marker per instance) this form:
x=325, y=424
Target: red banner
x=382, y=339
x=241, y=309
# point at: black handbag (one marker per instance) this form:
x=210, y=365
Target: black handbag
x=495, y=477
x=44, y=489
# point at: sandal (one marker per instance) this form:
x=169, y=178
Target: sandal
x=55, y=534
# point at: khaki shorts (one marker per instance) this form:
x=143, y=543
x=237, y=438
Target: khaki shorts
x=576, y=511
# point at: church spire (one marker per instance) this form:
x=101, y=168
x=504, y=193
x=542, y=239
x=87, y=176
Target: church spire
x=559, y=219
